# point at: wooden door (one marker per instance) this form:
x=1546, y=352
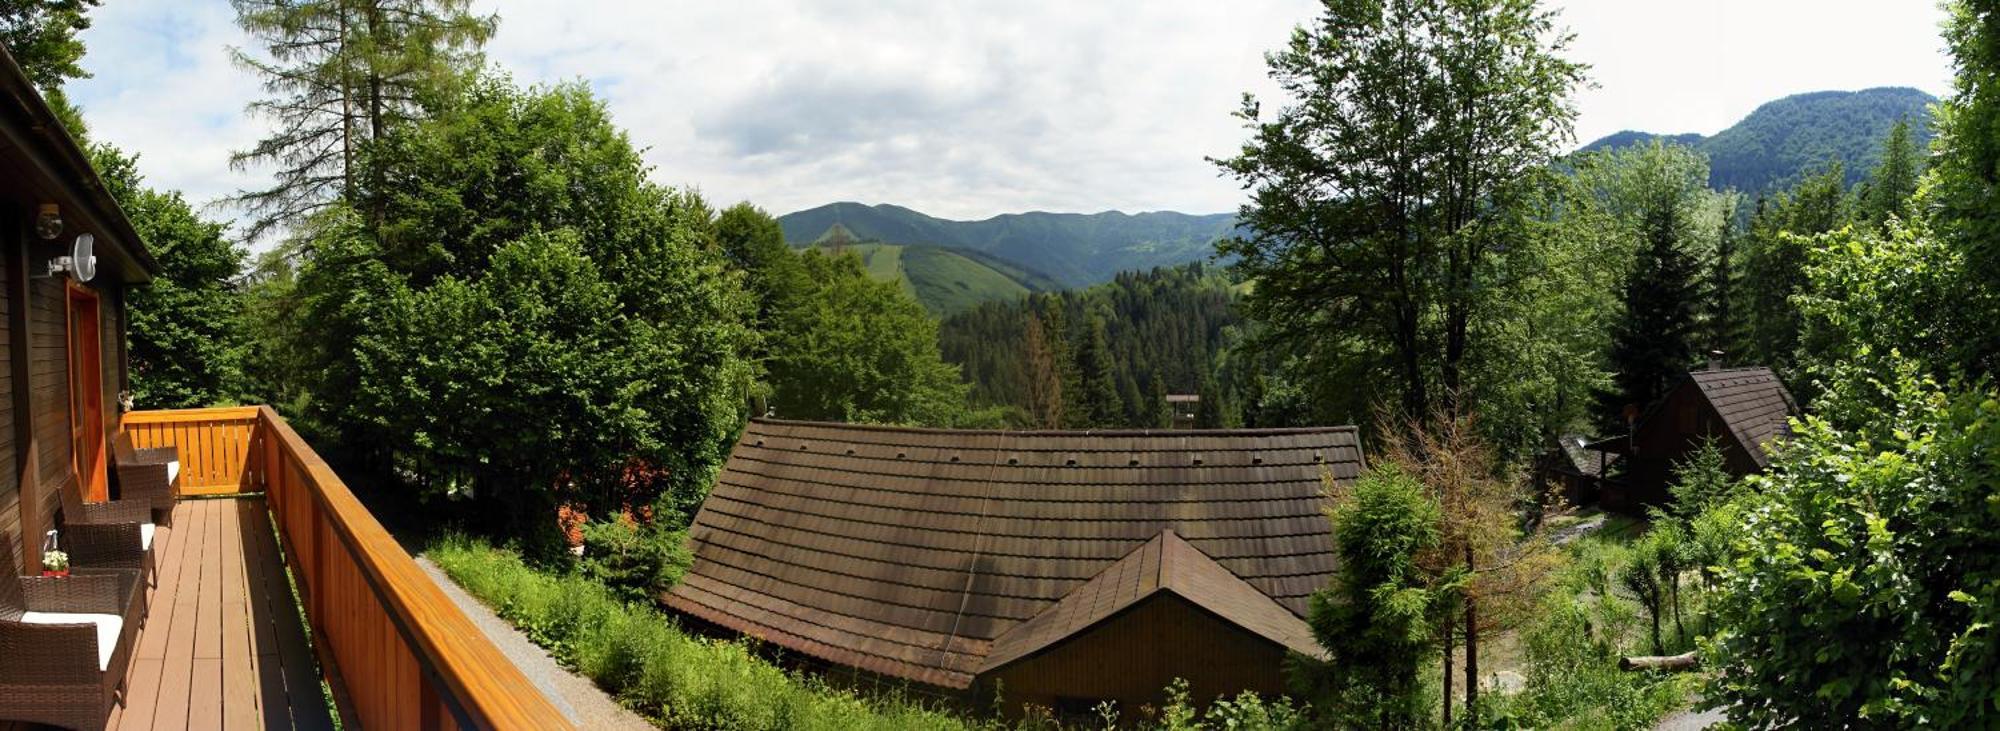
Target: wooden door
x=86, y=393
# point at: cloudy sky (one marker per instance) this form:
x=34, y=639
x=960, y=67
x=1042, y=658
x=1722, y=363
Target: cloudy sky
x=970, y=109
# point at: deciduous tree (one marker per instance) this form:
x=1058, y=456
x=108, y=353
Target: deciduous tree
x=1368, y=229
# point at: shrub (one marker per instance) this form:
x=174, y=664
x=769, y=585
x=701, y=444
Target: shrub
x=1864, y=587
x=637, y=562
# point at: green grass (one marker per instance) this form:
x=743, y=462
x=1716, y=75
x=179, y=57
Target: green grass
x=947, y=281
x=641, y=657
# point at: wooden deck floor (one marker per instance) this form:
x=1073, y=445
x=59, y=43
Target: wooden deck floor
x=223, y=647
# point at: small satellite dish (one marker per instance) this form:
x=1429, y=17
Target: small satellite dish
x=81, y=263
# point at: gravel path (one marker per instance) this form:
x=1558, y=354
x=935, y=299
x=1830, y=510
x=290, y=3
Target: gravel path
x=575, y=696
x=1691, y=721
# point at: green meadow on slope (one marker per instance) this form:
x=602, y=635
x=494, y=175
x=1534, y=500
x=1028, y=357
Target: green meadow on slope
x=946, y=281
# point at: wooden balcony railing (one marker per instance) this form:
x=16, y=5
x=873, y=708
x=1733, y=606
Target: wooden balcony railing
x=398, y=652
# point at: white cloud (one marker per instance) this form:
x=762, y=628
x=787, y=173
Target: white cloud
x=966, y=109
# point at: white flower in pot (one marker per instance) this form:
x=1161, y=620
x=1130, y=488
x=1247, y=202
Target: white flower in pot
x=55, y=562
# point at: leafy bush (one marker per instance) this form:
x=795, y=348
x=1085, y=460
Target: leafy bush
x=1864, y=586
x=637, y=562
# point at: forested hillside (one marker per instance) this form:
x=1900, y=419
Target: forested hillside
x=1076, y=249
x=1104, y=356
x=1785, y=140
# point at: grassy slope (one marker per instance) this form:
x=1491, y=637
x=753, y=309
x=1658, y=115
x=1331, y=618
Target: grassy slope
x=947, y=281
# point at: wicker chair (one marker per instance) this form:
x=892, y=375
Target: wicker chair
x=65, y=644
x=109, y=535
x=151, y=475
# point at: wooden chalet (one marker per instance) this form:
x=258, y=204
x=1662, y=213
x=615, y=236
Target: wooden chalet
x=1744, y=410
x=1061, y=568
x=196, y=625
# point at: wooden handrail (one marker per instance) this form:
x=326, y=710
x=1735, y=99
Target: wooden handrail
x=400, y=653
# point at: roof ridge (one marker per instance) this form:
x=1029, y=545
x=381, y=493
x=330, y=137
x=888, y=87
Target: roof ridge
x=1065, y=432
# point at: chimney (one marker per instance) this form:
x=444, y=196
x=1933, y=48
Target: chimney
x=1715, y=360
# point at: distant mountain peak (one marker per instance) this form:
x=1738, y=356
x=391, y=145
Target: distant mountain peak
x=1784, y=139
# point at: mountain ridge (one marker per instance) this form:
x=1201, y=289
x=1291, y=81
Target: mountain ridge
x=1781, y=140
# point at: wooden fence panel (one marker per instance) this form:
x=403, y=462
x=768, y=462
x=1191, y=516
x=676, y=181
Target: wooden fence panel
x=214, y=445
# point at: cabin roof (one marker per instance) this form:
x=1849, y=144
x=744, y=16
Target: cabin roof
x=31, y=133
x=933, y=554
x=1753, y=404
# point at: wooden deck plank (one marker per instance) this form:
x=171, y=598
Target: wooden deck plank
x=177, y=659
x=295, y=657
x=142, y=679
x=205, y=705
x=239, y=660
x=208, y=631
x=266, y=592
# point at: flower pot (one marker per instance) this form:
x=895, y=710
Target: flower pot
x=47, y=574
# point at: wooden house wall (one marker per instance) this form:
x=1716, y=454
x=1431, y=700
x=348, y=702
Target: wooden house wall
x=10, y=490
x=1133, y=657
x=1683, y=423
x=48, y=398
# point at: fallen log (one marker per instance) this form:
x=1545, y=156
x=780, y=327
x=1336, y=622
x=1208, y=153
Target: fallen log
x=1683, y=661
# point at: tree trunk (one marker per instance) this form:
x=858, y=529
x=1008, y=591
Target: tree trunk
x=1471, y=652
x=1655, y=614
x=1674, y=589
x=1447, y=671
x=1683, y=661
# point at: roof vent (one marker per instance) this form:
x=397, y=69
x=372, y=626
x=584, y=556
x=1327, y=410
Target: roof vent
x=954, y=458
x=1317, y=458
x=1070, y=462
x=1013, y=460
x=850, y=451
x=1258, y=459
x=902, y=455
x=760, y=442
x=1197, y=459
x=802, y=446
x=1133, y=462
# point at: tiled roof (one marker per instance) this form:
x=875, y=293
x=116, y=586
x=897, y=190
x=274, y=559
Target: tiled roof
x=1575, y=448
x=911, y=552
x=1753, y=404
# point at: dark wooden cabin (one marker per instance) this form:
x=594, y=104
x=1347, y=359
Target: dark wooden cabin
x=64, y=338
x=1068, y=568
x=1744, y=410
x=1570, y=471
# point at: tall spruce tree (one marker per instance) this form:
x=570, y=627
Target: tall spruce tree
x=1660, y=336
x=1371, y=225
x=1726, y=331
x=338, y=74
x=1101, y=401
x=1894, y=180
